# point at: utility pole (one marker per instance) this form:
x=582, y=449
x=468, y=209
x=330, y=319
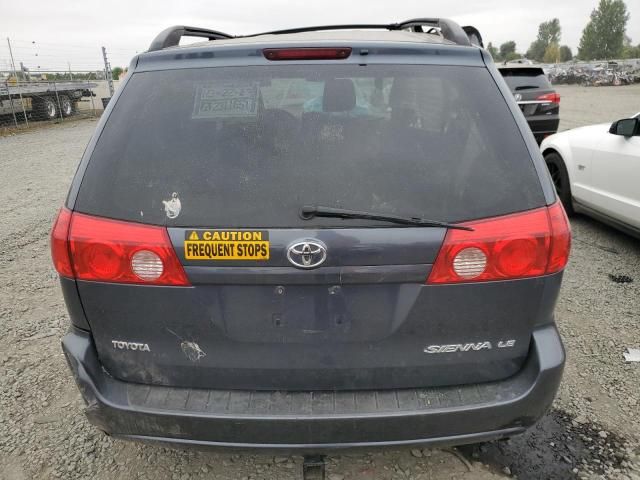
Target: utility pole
x=70, y=74
x=107, y=71
x=13, y=65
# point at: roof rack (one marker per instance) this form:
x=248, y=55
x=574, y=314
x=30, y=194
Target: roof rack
x=449, y=29
x=473, y=34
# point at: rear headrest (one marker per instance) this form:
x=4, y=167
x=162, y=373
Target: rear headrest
x=339, y=95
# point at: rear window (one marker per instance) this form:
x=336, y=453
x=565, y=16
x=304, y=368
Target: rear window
x=249, y=146
x=525, y=78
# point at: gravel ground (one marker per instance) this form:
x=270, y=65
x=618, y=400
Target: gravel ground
x=586, y=105
x=592, y=431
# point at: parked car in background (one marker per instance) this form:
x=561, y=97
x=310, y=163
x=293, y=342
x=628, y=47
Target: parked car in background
x=538, y=100
x=596, y=171
x=310, y=239
x=519, y=61
x=42, y=99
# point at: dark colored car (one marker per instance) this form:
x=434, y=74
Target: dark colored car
x=313, y=239
x=536, y=97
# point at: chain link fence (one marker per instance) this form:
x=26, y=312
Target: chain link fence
x=26, y=102
x=54, y=81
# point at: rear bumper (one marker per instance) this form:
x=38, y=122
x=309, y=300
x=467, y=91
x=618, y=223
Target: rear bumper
x=319, y=420
x=543, y=126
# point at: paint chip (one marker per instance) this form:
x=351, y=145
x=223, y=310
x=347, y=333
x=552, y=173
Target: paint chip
x=192, y=350
x=172, y=207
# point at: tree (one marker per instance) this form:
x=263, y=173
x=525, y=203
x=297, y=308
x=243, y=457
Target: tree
x=507, y=48
x=628, y=50
x=508, y=51
x=603, y=36
x=116, y=72
x=631, y=51
x=552, y=53
x=512, y=56
x=548, y=32
x=565, y=53
x=493, y=51
x=536, y=50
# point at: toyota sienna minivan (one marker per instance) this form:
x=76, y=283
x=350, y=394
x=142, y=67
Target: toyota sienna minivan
x=315, y=238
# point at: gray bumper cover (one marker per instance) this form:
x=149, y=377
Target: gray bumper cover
x=319, y=420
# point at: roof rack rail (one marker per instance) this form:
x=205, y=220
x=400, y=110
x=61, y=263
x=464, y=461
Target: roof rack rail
x=449, y=29
x=474, y=35
x=170, y=37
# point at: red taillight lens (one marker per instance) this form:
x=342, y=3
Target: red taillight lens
x=107, y=250
x=59, y=244
x=521, y=245
x=560, y=239
x=550, y=97
x=311, y=53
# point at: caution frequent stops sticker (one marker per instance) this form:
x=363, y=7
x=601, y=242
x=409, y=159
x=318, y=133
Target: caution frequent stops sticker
x=226, y=245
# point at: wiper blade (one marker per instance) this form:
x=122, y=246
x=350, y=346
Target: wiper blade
x=308, y=212
x=526, y=87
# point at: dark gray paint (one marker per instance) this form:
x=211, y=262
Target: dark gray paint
x=345, y=246
x=316, y=420
x=292, y=276
x=317, y=335
x=73, y=303
x=287, y=360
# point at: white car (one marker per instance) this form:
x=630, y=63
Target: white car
x=596, y=171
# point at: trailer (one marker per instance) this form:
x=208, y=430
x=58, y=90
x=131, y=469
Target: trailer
x=43, y=100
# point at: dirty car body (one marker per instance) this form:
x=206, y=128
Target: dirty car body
x=313, y=240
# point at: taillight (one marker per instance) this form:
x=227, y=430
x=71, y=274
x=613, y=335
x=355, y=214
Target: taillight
x=560, y=239
x=106, y=250
x=307, y=53
x=520, y=245
x=60, y=245
x=549, y=97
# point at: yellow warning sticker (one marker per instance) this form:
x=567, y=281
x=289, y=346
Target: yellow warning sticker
x=226, y=245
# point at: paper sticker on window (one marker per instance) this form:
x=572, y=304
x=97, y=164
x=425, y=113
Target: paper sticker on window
x=235, y=99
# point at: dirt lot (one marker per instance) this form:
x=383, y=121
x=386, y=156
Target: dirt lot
x=593, y=430
x=586, y=105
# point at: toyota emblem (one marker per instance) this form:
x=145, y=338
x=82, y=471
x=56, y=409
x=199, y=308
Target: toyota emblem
x=307, y=254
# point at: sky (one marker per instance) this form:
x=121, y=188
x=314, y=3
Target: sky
x=55, y=34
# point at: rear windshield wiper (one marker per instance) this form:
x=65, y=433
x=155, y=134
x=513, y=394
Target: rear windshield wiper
x=526, y=87
x=310, y=211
